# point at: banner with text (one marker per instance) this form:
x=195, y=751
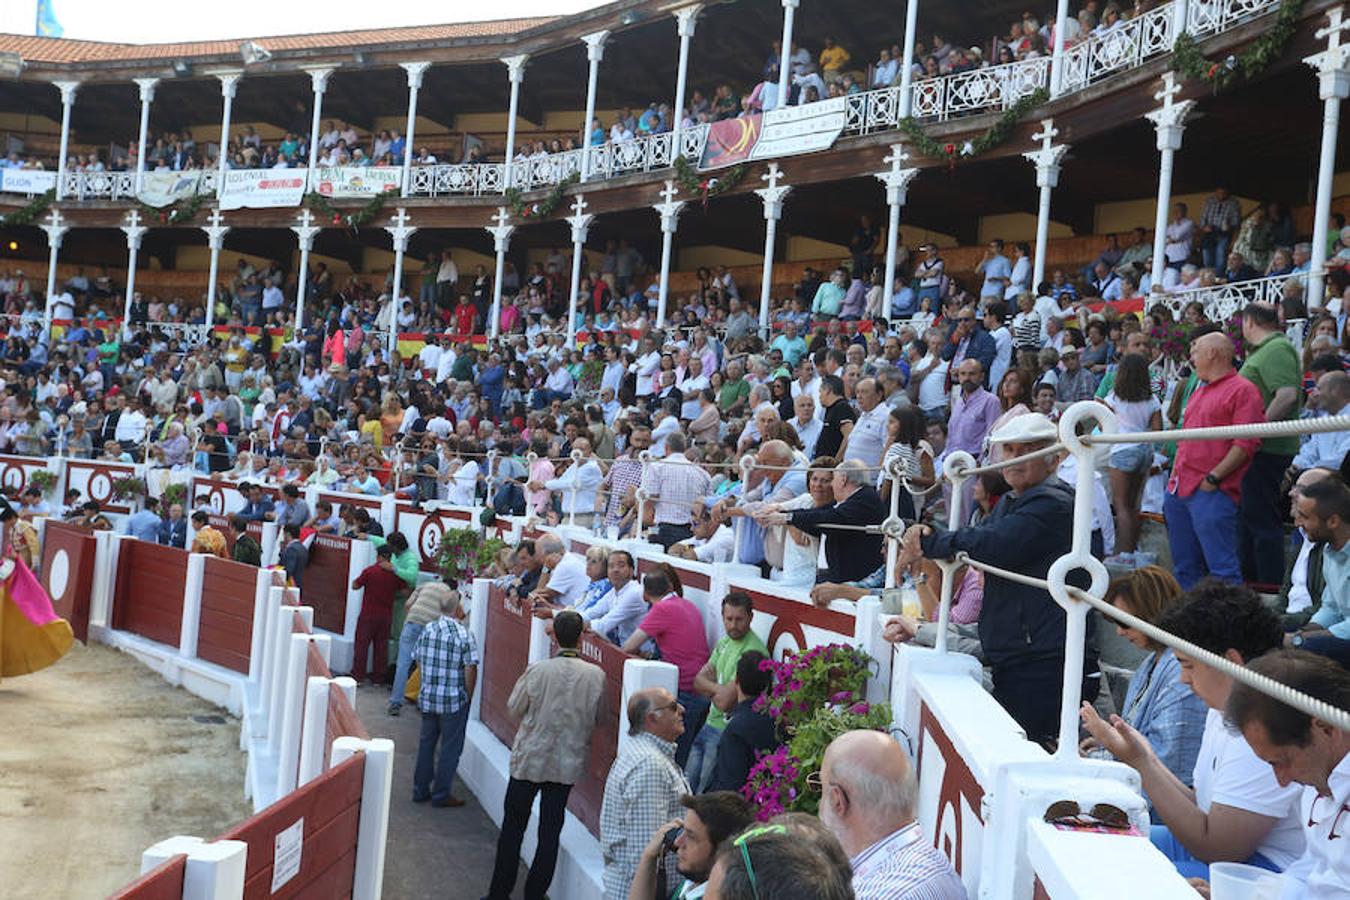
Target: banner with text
x=800, y=129
x=358, y=181
x=160, y=189
x=262, y=188
x=27, y=181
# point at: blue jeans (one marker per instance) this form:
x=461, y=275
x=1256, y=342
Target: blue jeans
x=695, y=712
x=1202, y=530
x=1214, y=250
x=1261, y=539
x=434, y=779
x=702, y=755
x=1188, y=865
x=407, y=640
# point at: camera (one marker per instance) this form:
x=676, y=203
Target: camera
x=668, y=841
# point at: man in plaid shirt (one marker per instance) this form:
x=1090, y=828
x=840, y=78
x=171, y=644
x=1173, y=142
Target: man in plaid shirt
x=676, y=483
x=625, y=475
x=448, y=660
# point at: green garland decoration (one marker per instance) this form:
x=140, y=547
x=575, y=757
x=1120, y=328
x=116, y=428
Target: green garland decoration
x=353, y=220
x=541, y=209
x=184, y=210
x=691, y=182
x=1269, y=47
x=29, y=214
x=997, y=133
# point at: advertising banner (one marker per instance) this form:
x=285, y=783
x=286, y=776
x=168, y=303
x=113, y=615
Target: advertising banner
x=27, y=181
x=262, y=188
x=800, y=129
x=357, y=181
x=160, y=189
x=730, y=141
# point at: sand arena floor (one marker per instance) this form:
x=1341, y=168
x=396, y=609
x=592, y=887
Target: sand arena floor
x=99, y=759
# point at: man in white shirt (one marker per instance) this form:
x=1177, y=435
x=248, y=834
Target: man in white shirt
x=1238, y=810
x=567, y=580
x=694, y=382
x=63, y=306
x=806, y=424
x=647, y=365
x=131, y=425
x=617, y=614
x=995, y=315
x=577, y=486
x=445, y=363
x=712, y=542
x=1306, y=751
x=865, y=438
x=272, y=298
x=429, y=357
x=559, y=384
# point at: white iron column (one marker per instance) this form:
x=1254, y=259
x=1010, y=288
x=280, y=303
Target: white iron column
x=147, y=88
x=1182, y=20
x=580, y=220
x=134, y=231
x=68, y=90
x=907, y=60
x=1057, y=51
x=785, y=56
x=515, y=72
x=669, y=211
x=400, y=231
x=215, y=239
x=1169, y=121
x=415, y=72
x=595, y=51
x=686, y=19
x=501, y=242
x=773, y=197
x=306, y=231
x=1333, y=86
x=896, y=179
x=229, y=82
x=318, y=77
x=1046, y=160
x=55, y=230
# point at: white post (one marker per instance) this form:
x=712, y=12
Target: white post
x=306, y=231
x=214, y=868
x=1333, y=86
x=400, y=231
x=772, y=197
x=1047, y=161
x=229, y=83
x=293, y=686
x=1182, y=20
x=896, y=179
x=1057, y=51
x=1169, y=121
x=55, y=230
x=215, y=239
x=907, y=60
x=68, y=90
x=595, y=51
x=147, y=88
x=515, y=72
x=501, y=242
x=785, y=54
x=687, y=19
x=318, y=77
x=415, y=72
x=134, y=231
x=313, y=729
x=669, y=211
x=373, y=829
x=580, y=221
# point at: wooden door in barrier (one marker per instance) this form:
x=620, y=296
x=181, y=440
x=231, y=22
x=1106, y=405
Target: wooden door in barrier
x=505, y=658
x=148, y=598
x=587, y=795
x=225, y=635
x=330, y=807
x=324, y=583
x=68, y=553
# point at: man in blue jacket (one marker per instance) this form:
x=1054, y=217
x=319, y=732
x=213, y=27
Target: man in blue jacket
x=968, y=340
x=173, y=531
x=1022, y=629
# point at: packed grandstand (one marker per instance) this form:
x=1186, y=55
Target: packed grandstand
x=906, y=445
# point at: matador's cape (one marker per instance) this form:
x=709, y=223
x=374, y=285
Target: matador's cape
x=32, y=635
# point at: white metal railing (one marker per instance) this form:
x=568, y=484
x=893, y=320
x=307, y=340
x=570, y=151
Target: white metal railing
x=1222, y=301
x=1125, y=46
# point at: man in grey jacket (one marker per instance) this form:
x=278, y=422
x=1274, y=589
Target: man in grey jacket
x=558, y=703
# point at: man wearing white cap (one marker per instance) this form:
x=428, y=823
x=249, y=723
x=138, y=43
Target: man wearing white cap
x=1022, y=629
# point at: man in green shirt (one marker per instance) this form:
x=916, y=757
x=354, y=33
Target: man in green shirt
x=1273, y=366
x=717, y=680
x=735, y=390
x=406, y=563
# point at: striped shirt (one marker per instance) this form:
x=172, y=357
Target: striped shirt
x=903, y=866
x=676, y=483
x=624, y=474
x=445, y=648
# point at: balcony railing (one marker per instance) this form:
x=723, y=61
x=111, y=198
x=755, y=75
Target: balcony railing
x=1126, y=46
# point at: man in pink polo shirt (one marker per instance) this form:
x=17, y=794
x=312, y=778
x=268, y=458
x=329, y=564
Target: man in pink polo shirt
x=677, y=627
x=1206, y=484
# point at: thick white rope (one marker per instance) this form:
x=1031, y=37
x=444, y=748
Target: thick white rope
x=1224, y=432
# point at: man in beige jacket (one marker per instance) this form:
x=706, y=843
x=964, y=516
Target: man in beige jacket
x=558, y=703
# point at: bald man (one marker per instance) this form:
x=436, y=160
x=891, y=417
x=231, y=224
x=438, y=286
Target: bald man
x=1206, y=484
x=867, y=797
x=778, y=475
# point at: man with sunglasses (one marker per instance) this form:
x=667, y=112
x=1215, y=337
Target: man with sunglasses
x=1309, y=751
x=643, y=789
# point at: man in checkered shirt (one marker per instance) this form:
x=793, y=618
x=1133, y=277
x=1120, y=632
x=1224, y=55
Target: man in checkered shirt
x=676, y=483
x=625, y=475
x=448, y=660
x=643, y=789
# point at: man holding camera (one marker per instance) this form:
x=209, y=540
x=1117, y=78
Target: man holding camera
x=711, y=820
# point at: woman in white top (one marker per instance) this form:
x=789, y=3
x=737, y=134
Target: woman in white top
x=463, y=473
x=1136, y=409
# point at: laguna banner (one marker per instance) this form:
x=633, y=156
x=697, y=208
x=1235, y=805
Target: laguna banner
x=160, y=189
x=800, y=129
x=357, y=181
x=262, y=188
x=27, y=181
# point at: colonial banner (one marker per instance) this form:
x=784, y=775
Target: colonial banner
x=800, y=129
x=357, y=181
x=160, y=189
x=262, y=188
x=27, y=181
